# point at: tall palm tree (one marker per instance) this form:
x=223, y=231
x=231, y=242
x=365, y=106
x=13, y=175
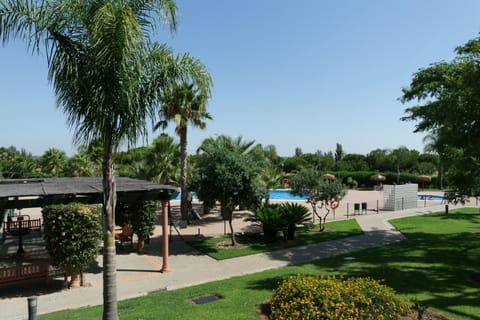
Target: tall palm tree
x=183, y=101
x=96, y=57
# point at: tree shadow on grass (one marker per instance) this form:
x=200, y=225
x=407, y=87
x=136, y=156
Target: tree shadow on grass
x=432, y=267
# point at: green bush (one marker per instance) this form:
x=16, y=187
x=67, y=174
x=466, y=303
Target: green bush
x=72, y=235
x=280, y=217
x=141, y=215
x=293, y=214
x=309, y=297
x=271, y=220
x=352, y=183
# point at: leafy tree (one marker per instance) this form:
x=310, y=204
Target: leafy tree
x=18, y=164
x=320, y=192
x=270, y=153
x=294, y=164
x=379, y=160
x=184, y=101
x=339, y=153
x=403, y=158
x=226, y=176
x=352, y=162
x=99, y=58
x=448, y=105
x=142, y=216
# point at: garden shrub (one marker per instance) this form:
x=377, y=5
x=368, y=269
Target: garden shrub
x=271, y=220
x=293, y=214
x=280, y=217
x=309, y=297
x=72, y=234
x=141, y=215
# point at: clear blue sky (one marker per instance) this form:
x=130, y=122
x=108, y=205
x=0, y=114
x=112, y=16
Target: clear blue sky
x=291, y=73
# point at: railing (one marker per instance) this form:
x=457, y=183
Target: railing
x=25, y=272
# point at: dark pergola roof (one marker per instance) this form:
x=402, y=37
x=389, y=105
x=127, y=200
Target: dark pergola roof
x=32, y=193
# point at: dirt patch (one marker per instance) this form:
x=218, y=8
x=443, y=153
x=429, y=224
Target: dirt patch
x=228, y=245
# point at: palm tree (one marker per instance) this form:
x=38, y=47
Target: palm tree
x=161, y=161
x=270, y=177
x=225, y=142
x=96, y=57
x=79, y=166
x=184, y=101
x=53, y=162
x=433, y=144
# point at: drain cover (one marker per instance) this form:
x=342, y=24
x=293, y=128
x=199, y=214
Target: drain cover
x=205, y=299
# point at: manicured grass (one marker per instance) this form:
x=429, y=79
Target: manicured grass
x=432, y=265
x=253, y=243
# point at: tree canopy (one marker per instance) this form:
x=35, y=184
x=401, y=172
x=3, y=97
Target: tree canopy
x=447, y=98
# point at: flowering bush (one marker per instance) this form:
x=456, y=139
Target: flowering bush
x=309, y=297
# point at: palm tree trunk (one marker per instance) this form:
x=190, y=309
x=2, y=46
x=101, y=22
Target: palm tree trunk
x=183, y=174
x=110, y=309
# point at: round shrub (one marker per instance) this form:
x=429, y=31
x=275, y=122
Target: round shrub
x=309, y=297
x=72, y=235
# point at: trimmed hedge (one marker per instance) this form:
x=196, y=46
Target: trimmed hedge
x=309, y=297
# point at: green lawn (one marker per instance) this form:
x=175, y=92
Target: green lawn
x=433, y=266
x=255, y=244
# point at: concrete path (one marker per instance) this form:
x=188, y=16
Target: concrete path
x=138, y=275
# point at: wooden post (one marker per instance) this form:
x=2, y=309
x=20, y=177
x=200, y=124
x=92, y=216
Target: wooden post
x=165, y=267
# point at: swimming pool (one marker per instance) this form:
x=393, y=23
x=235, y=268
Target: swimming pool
x=430, y=197
x=284, y=194
x=279, y=194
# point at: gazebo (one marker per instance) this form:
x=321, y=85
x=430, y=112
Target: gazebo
x=33, y=193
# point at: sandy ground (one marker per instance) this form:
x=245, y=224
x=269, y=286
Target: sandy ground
x=212, y=224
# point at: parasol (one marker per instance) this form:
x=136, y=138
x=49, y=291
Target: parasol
x=328, y=176
x=378, y=178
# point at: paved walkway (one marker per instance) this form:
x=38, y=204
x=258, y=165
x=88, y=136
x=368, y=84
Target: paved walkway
x=138, y=275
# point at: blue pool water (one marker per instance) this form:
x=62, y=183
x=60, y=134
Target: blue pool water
x=283, y=194
x=430, y=197
x=274, y=195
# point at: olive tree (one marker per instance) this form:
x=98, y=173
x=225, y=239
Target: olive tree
x=226, y=176
x=320, y=192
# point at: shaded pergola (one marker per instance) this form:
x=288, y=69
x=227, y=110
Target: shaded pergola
x=33, y=193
